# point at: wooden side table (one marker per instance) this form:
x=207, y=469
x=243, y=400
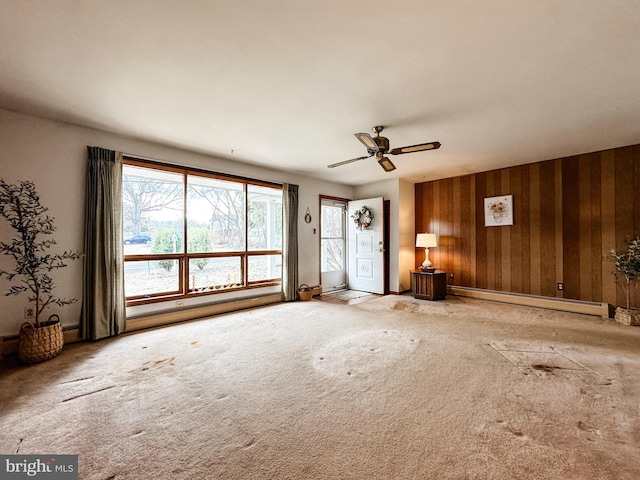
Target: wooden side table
x=429, y=286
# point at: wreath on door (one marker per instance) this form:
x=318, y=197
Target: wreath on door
x=363, y=218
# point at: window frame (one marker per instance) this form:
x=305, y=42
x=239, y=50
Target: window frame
x=184, y=257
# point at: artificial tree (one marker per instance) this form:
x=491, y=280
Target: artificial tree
x=20, y=207
x=627, y=264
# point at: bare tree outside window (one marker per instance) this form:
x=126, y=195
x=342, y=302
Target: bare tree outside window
x=218, y=205
x=143, y=192
x=332, y=238
x=265, y=218
x=228, y=235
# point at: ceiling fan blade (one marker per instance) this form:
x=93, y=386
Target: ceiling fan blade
x=348, y=161
x=416, y=148
x=368, y=141
x=386, y=164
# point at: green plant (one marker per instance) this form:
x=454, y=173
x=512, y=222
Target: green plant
x=627, y=265
x=20, y=206
x=199, y=240
x=166, y=240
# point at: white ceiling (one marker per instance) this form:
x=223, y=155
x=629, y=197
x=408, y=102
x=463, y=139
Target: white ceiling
x=286, y=83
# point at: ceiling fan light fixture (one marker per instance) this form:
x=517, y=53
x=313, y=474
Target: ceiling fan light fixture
x=379, y=146
x=386, y=164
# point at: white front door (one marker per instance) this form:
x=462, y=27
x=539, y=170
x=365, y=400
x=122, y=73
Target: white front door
x=366, y=247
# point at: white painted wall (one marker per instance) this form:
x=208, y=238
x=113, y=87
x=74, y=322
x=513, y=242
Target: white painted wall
x=53, y=155
x=406, y=233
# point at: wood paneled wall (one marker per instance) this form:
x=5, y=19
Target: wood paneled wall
x=568, y=213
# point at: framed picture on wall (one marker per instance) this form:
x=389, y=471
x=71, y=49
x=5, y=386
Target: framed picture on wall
x=498, y=211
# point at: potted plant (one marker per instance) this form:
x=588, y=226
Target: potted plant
x=20, y=207
x=627, y=265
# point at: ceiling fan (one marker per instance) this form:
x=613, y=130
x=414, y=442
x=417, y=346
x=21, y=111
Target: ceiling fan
x=379, y=146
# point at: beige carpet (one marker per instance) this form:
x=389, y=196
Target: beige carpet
x=392, y=388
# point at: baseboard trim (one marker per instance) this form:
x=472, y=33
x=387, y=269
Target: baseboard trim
x=562, y=304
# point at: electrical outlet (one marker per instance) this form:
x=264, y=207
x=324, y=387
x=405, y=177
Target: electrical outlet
x=29, y=313
x=179, y=303
x=560, y=286
x=451, y=275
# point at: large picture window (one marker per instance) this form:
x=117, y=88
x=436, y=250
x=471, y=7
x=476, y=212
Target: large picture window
x=188, y=232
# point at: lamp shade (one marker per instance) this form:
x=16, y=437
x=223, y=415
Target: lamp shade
x=426, y=240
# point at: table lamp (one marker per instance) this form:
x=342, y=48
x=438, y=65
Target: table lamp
x=426, y=240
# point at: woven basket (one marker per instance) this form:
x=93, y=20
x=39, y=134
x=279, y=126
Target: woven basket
x=627, y=317
x=38, y=344
x=304, y=292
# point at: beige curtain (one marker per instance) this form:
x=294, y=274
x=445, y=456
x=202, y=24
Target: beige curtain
x=103, y=302
x=290, y=242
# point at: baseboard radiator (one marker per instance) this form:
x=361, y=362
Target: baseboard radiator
x=577, y=306
x=193, y=313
